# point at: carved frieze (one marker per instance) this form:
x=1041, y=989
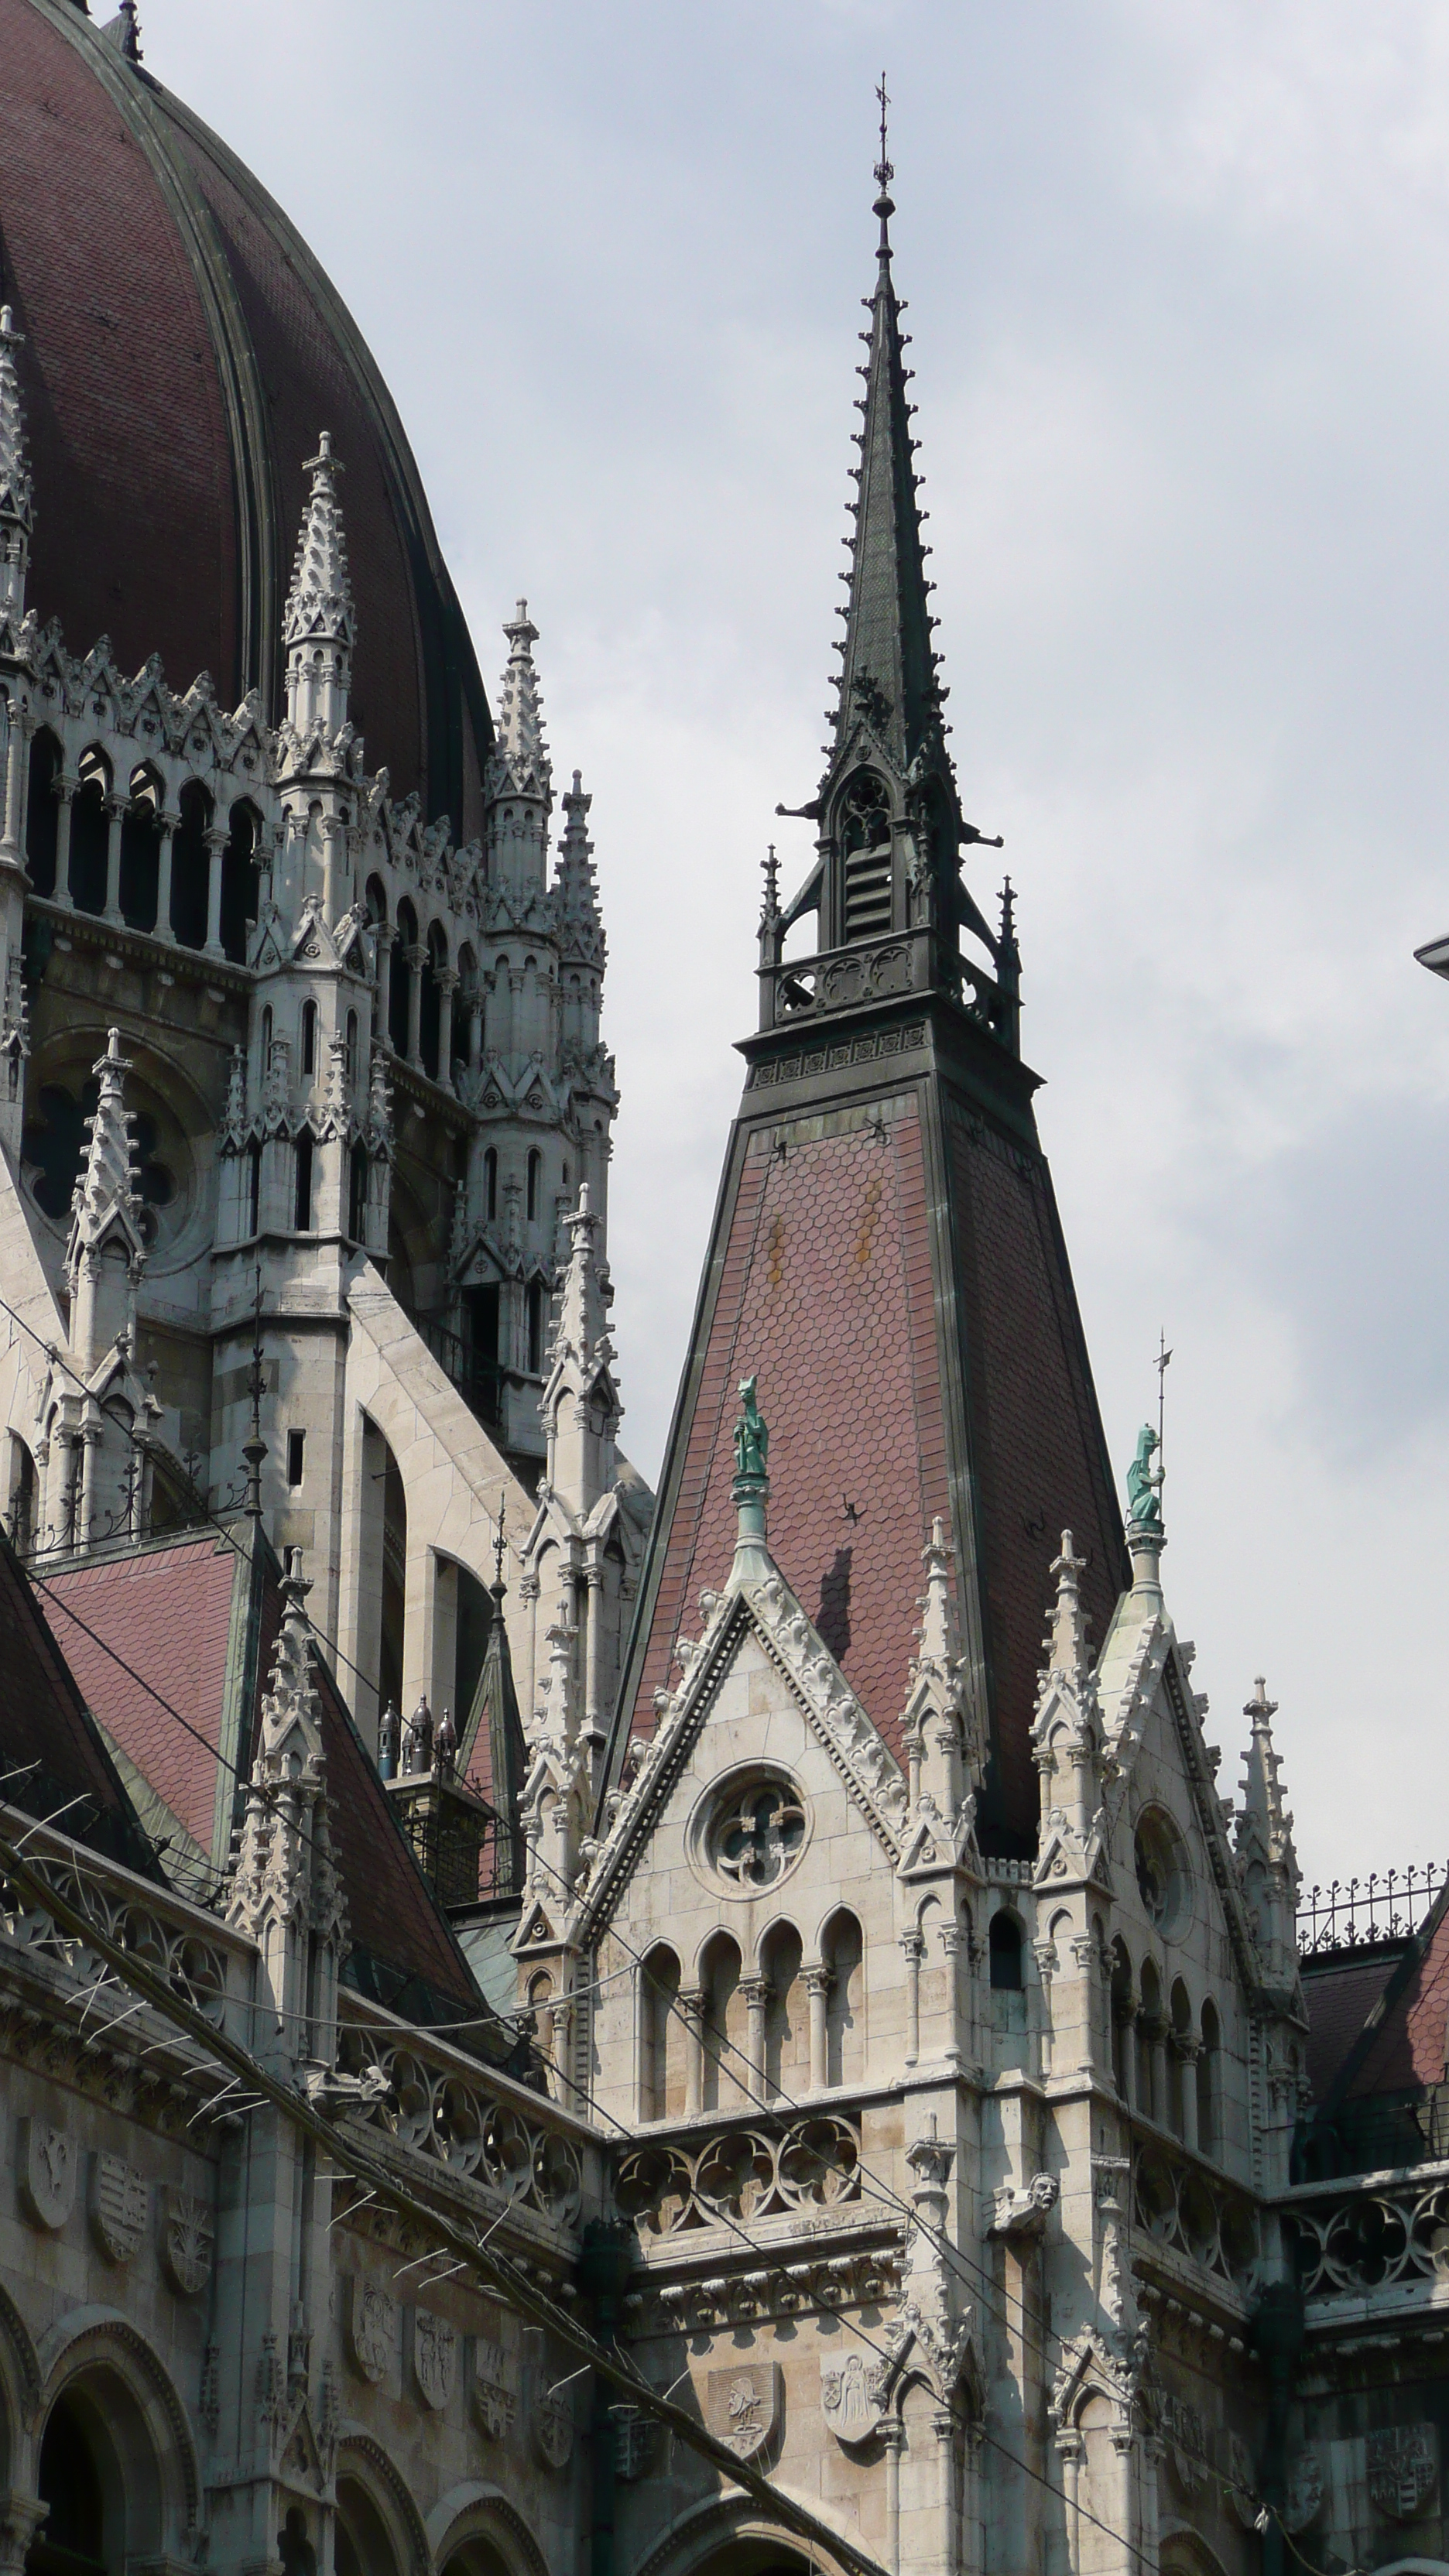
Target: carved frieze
x=187, y=2237
x=435, y=2358
x=47, y=2177
x=117, y=2207
x=369, y=2329
x=742, y=2405
x=1403, y=2462
x=493, y=2401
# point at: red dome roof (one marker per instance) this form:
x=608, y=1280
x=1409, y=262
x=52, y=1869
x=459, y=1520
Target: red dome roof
x=183, y=349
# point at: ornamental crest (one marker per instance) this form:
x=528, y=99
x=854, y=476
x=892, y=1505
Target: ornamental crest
x=742, y=2406
x=1187, y=2439
x=1402, y=2465
x=551, y=2421
x=187, y=2234
x=1305, y=2489
x=634, y=2433
x=435, y=2358
x=47, y=2173
x=1243, y=2482
x=494, y=2403
x=118, y=2207
x=369, y=2329
x=852, y=2397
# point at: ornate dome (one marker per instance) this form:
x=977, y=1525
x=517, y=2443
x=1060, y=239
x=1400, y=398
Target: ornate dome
x=183, y=350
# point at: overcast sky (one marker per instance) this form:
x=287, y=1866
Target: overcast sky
x=1179, y=284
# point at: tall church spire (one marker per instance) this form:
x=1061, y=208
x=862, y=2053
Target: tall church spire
x=320, y=627
x=888, y=667
x=16, y=498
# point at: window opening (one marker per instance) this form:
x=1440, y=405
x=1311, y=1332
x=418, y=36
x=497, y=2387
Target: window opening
x=866, y=839
x=302, y=1213
x=296, y=1452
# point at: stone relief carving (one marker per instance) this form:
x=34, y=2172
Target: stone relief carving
x=494, y=2402
x=187, y=2235
x=1186, y=2436
x=369, y=2329
x=742, y=2405
x=1305, y=2488
x=551, y=2419
x=1403, y=2462
x=48, y=2161
x=852, y=2397
x=435, y=2358
x=118, y=2207
x=634, y=2441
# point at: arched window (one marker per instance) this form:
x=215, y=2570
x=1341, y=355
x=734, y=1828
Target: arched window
x=787, y=2016
x=1003, y=1942
x=535, y=1173
x=400, y=986
x=661, y=2037
x=241, y=880
x=302, y=1212
x=42, y=812
x=724, y=2030
x=430, y=1015
x=20, y=1515
x=190, y=866
x=357, y=1194
x=1179, y=2070
x=90, y=833
x=844, y=1956
x=1150, y=2030
x=361, y=2546
x=1209, y=2090
x=866, y=841
x=535, y=1327
x=1122, y=2011
x=490, y=1181
x=141, y=851
x=309, y=1037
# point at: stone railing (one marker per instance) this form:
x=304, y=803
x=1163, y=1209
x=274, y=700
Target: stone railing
x=739, y=2175
x=1180, y=2203
x=202, y=1961
x=475, y=2126
x=1390, y=2232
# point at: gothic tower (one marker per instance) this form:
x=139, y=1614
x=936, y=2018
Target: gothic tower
x=887, y=1255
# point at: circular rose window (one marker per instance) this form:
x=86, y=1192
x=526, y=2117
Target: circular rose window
x=1163, y=1882
x=755, y=1834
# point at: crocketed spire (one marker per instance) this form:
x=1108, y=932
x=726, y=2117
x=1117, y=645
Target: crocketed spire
x=520, y=765
x=888, y=669
x=576, y=885
x=580, y=1406
x=1068, y=1653
x=105, y=1214
x=320, y=626
x=16, y=495
x=1266, y=1857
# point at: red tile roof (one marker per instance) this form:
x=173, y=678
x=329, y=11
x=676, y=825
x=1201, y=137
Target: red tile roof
x=51, y=1756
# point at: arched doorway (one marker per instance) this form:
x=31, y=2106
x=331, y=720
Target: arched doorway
x=362, y=2545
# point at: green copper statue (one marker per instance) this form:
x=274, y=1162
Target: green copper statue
x=752, y=1437
x=1144, y=1497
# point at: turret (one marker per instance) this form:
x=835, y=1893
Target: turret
x=16, y=495
x=320, y=627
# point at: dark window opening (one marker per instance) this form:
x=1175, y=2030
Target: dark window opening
x=302, y=1211
x=54, y=1145
x=1005, y=1945
x=141, y=854
x=71, y=2541
x=241, y=883
x=535, y=1327
x=357, y=1195
x=490, y=1180
x=254, y=1188
x=90, y=836
x=866, y=842
x=535, y=1170
x=430, y=1014
x=190, y=866
x=350, y=1056
x=42, y=813
x=309, y=1037
x=296, y=1452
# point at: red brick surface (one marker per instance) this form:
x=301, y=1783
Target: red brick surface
x=827, y=1297
x=135, y=509
x=1411, y=2047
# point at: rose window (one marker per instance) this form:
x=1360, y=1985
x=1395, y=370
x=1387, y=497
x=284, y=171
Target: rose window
x=757, y=1835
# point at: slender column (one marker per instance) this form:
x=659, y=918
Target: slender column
x=115, y=815
x=944, y=2427
x=216, y=840
x=90, y=1443
x=593, y=1612
x=1187, y=2052
x=1070, y=2447
x=447, y=987
x=893, y=2436
x=12, y=839
x=757, y=1992
x=1126, y=2015
x=414, y=957
x=385, y=935
x=65, y=792
x=915, y=1950
x=953, y=1941
x=1046, y=1965
x=693, y=2003
x=817, y=1987
x=168, y=823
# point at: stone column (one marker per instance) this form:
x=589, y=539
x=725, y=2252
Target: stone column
x=115, y=815
x=893, y=2437
x=65, y=792
x=217, y=837
x=1070, y=2448
x=1187, y=2051
x=693, y=2003
x=817, y=1986
x=953, y=1941
x=475, y=1029
x=415, y=960
x=447, y=986
x=12, y=838
x=1046, y=1966
x=385, y=935
x=20, y=2518
x=757, y=1992
x=168, y=825
x=914, y=1947
x=90, y=1440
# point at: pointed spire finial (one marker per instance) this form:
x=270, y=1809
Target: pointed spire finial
x=884, y=173
x=1068, y=1651
x=520, y=764
x=319, y=628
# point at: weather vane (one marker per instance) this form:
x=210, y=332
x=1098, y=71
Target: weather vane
x=498, y=1544
x=1160, y=1364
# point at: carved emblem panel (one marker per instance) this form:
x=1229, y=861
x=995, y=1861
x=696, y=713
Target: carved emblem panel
x=369, y=2329
x=743, y=2404
x=118, y=2207
x=187, y=2236
x=1403, y=2462
x=48, y=2161
x=852, y=2397
x=494, y=2402
x=435, y=2358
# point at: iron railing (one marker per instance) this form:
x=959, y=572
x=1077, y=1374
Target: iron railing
x=1366, y=1913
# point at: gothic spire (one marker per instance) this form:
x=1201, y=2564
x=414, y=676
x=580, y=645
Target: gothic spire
x=580, y=1405
x=521, y=762
x=104, y=1206
x=16, y=496
x=576, y=884
x=888, y=669
x=320, y=626
x=1267, y=1860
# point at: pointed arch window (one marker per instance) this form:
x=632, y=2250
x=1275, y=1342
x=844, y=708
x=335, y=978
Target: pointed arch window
x=490, y=1181
x=309, y=1037
x=357, y=1195
x=866, y=845
x=535, y=1327
x=535, y=1173
x=302, y=1211
x=42, y=812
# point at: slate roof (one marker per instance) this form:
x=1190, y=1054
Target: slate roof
x=53, y=1762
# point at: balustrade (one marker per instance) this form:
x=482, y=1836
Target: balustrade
x=739, y=2174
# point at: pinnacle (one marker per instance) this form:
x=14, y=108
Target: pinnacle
x=291, y=1720
x=939, y=1641
x=521, y=749
x=106, y=1182
x=319, y=604
x=1068, y=1651
x=16, y=495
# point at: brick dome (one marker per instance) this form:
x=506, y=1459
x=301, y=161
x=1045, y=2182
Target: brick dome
x=182, y=351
